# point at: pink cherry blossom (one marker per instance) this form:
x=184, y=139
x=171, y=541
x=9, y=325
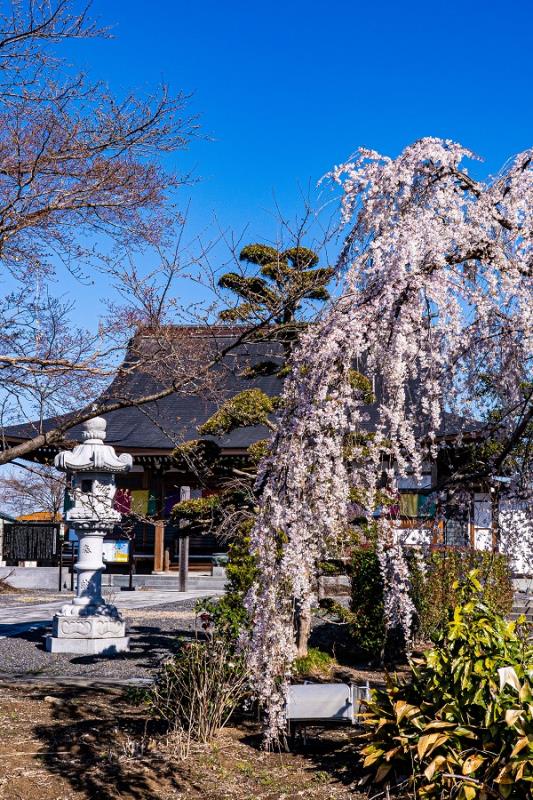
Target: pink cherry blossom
x=437, y=293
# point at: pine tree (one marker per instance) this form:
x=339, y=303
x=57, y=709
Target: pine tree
x=277, y=295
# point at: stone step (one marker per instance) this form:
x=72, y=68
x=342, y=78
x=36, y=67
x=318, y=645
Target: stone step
x=165, y=582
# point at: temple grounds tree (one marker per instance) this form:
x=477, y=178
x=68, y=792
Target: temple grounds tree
x=438, y=296
x=276, y=296
x=271, y=305
x=83, y=190
x=26, y=489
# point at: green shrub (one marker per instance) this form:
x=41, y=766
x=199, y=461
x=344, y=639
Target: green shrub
x=364, y=617
x=435, y=574
x=463, y=726
x=367, y=624
x=228, y=615
x=316, y=664
x=197, y=690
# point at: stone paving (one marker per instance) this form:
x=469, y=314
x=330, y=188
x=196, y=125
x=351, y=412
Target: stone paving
x=17, y=619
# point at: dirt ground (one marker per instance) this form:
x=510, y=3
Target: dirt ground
x=98, y=744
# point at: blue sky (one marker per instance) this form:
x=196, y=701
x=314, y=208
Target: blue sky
x=287, y=89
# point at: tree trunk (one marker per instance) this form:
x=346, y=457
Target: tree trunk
x=303, y=630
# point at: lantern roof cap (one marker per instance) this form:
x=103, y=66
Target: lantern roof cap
x=92, y=455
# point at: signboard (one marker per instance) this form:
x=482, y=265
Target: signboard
x=26, y=541
x=116, y=551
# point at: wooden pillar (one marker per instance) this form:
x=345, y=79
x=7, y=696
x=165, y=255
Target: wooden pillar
x=185, y=494
x=159, y=546
x=494, y=510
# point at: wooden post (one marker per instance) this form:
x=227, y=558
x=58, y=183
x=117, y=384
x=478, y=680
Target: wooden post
x=159, y=546
x=167, y=560
x=60, y=566
x=185, y=494
x=494, y=522
x=131, y=560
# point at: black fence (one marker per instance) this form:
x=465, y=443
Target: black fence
x=27, y=541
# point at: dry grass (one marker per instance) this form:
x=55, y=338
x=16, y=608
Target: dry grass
x=5, y=587
x=94, y=745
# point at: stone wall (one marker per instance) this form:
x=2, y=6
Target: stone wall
x=36, y=577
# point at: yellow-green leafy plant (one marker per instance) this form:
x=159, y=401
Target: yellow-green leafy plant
x=462, y=726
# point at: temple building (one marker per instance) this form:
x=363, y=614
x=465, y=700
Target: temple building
x=151, y=432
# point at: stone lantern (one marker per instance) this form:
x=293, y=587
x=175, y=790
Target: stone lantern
x=89, y=625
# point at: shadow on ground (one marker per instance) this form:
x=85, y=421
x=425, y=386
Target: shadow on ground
x=106, y=748
x=148, y=644
x=327, y=751
x=97, y=743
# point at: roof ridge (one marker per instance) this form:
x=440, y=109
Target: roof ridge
x=199, y=330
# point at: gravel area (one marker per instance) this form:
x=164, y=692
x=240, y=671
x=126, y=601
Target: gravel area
x=32, y=597
x=153, y=631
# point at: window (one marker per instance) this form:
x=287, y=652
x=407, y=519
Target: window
x=86, y=486
x=482, y=511
x=456, y=533
x=410, y=482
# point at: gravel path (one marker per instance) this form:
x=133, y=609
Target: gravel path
x=31, y=597
x=154, y=633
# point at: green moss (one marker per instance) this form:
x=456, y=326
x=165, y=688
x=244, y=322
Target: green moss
x=315, y=663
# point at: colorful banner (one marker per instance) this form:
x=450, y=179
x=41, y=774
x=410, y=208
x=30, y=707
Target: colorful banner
x=139, y=502
x=122, y=501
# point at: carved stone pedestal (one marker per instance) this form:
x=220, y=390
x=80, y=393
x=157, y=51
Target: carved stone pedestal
x=88, y=647
x=88, y=630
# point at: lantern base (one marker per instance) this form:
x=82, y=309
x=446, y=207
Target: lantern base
x=88, y=630
x=109, y=646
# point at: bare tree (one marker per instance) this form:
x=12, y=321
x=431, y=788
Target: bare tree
x=25, y=490
x=86, y=193
x=82, y=188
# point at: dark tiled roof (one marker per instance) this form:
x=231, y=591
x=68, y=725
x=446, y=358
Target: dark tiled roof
x=174, y=419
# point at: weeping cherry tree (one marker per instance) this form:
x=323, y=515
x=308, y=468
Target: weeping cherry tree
x=436, y=311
